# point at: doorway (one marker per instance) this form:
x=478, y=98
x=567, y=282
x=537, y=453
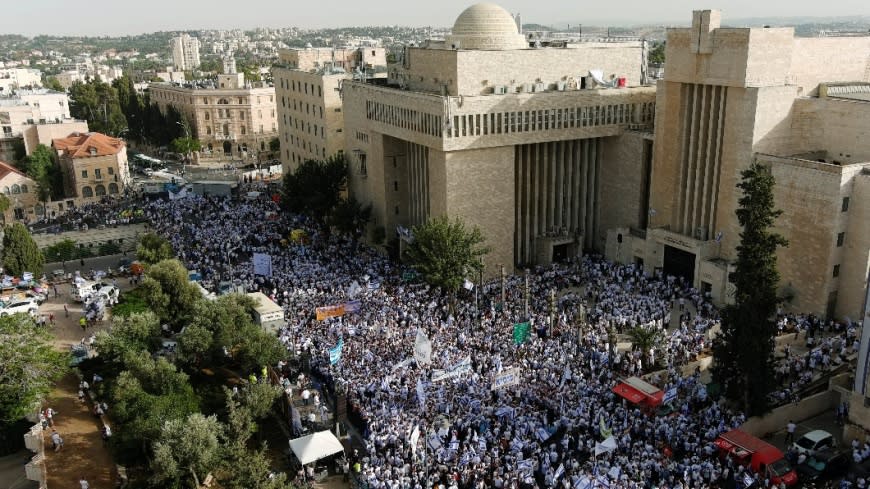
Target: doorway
x=680, y=263
x=228, y=148
x=560, y=252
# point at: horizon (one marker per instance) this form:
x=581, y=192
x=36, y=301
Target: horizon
x=386, y=13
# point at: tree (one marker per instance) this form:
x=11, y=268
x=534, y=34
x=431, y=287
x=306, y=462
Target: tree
x=314, y=188
x=445, y=252
x=20, y=253
x=645, y=339
x=62, y=251
x=129, y=334
x=5, y=204
x=185, y=145
x=274, y=145
x=657, y=53
x=153, y=248
x=29, y=367
x=188, y=447
x=744, y=350
x=170, y=293
x=97, y=102
x=52, y=83
x=349, y=216
x=39, y=166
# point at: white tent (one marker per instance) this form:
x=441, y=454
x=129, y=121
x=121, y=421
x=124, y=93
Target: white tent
x=314, y=447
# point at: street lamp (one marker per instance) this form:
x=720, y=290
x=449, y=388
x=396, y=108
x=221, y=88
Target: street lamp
x=186, y=141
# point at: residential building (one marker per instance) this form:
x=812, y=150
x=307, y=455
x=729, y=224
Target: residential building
x=16, y=78
x=800, y=107
x=185, y=52
x=22, y=193
x=94, y=165
x=310, y=118
x=33, y=117
x=515, y=138
x=231, y=117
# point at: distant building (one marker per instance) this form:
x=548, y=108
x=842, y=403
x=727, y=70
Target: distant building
x=22, y=193
x=229, y=63
x=15, y=78
x=94, y=165
x=228, y=115
x=307, y=84
x=185, y=52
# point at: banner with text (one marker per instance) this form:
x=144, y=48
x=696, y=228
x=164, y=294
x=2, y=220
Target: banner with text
x=262, y=264
x=456, y=370
x=329, y=311
x=335, y=353
x=422, y=349
x=506, y=378
x=521, y=332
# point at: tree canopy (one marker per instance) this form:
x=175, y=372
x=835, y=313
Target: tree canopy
x=446, y=252
x=186, y=448
x=29, y=367
x=153, y=248
x=170, y=293
x=314, y=187
x=98, y=103
x=20, y=253
x=744, y=350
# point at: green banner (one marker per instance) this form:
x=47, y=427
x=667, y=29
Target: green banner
x=521, y=332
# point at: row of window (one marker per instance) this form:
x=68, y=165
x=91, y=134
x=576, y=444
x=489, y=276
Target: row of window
x=297, y=158
x=304, y=126
x=99, y=190
x=15, y=189
x=301, y=87
x=224, y=130
x=404, y=118
x=550, y=119
x=98, y=172
x=310, y=109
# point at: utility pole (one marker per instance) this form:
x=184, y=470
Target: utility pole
x=503, y=282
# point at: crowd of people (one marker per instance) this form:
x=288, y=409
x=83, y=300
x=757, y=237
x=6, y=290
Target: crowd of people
x=422, y=430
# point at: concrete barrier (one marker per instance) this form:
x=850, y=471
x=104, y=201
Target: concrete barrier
x=777, y=419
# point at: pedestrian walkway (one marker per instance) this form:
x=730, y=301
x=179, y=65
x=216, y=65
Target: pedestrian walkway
x=84, y=453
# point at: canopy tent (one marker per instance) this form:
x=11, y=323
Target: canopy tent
x=314, y=447
x=638, y=391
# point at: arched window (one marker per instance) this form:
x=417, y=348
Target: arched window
x=23, y=189
x=100, y=190
x=6, y=190
x=207, y=116
x=113, y=188
x=39, y=210
x=16, y=189
x=87, y=191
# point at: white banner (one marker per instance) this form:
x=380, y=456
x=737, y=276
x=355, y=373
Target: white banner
x=506, y=378
x=460, y=368
x=422, y=349
x=415, y=435
x=262, y=264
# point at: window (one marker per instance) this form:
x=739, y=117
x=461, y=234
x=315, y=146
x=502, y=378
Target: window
x=87, y=192
x=395, y=186
x=85, y=175
x=98, y=173
x=100, y=190
x=845, y=204
x=207, y=116
x=242, y=115
x=24, y=189
x=836, y=271
x=841, y=237
x=16, y=189
x=110, y=170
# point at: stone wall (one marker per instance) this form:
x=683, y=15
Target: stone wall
x=622, y=182
x=856, y=251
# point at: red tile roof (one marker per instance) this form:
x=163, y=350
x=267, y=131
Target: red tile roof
x=6, y=169
x=84, y=145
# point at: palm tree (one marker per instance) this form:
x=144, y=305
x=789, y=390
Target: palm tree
x=646, y=339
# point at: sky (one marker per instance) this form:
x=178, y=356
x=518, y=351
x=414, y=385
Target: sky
x=119, y=17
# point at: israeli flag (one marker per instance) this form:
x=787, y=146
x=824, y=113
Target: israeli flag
x=335, y=353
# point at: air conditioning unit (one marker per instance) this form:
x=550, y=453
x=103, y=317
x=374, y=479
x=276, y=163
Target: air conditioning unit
x=539, y=87
x=500, y=90
x=561, y=86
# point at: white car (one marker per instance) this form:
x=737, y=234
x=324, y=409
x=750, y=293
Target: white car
x=814, y=441
x=28, y=306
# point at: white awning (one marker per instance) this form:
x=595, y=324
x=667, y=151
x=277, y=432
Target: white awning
x=314, y=447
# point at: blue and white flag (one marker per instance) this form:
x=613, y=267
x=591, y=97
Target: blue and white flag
x=421, y=392
x=262, y=264
x=559, y=473
x=335, y=353
x=27, y=276
x=374, y=284
x=583, y=483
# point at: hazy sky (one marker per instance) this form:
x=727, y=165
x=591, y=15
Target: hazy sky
x=113, y=17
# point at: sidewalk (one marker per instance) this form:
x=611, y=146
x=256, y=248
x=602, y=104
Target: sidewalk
x=83, y=454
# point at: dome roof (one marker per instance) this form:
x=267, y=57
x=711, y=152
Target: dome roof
x=486, y=26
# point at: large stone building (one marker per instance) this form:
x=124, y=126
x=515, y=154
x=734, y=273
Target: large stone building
x=800, y=106
x=230, y=116
x=307, y=86
x=22, y=193
x=185, y=52
x=525, y=141
x=94, y=165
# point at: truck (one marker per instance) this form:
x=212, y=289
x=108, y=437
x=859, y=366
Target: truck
x=758, y=455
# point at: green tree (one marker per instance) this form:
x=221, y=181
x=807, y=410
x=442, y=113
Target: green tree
x=445, y=252
x=29, y=367
x=314, y=188
x=350, y=217
x=645, y=339
x=20, y=253
x=744, y=349
x=39, y=166
x=5, y=204
x=153, y=248
x=274, y=145
x=129, y=334
x=185, y=145
x=186, y=448
x=97, y=102
x=52, y=83
x=657, y=53
x=62, y=251
x=170, y=293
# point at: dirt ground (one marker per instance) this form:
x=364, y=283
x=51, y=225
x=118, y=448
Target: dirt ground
x=84, y=453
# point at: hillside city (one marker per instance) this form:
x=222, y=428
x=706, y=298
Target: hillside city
x=496, y=254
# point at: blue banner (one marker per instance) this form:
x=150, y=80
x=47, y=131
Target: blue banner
x=335, y=353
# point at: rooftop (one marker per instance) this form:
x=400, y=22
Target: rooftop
x=6, y=169
x=84, y=145
x=486, y=26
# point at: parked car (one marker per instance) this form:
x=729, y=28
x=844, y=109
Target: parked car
x=814, y=441
x=824, y=466
x=28, y=306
